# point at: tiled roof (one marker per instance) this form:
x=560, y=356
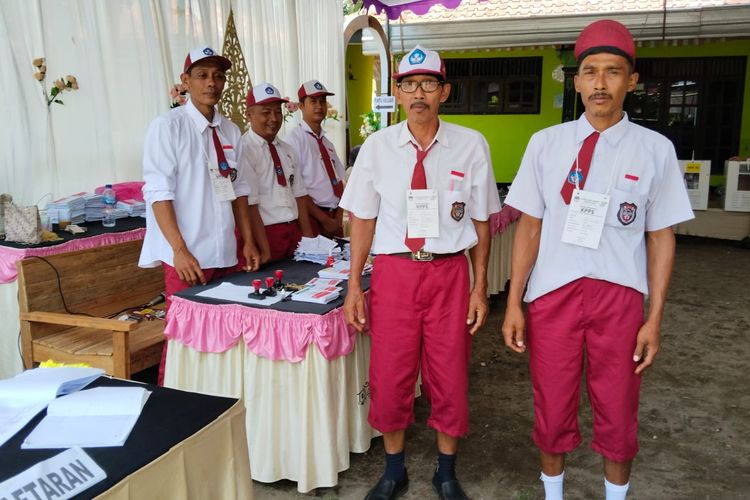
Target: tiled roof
x=489, y=9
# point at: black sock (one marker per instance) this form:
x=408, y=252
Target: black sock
x=446, y=468
x=394, y=466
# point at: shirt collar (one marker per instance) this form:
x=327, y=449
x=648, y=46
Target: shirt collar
x=405, y=137
x=612, y=135
x=199, y=120
x=306, y=128
x=259, y=140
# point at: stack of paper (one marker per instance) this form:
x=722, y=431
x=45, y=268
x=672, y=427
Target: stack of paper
x=72, y=208
x=317, y=250
x=103, y=416
x=134, y=208
x=29, y=392
x=317, y=294
x=94, y=206
x=341, y=270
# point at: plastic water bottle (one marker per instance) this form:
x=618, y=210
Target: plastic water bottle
x=109, y=198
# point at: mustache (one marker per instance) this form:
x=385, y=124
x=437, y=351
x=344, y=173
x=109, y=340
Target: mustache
x=599, y=95
x=420, y=104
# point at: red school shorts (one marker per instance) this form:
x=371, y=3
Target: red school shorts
x=600, y=320
x=418, y=321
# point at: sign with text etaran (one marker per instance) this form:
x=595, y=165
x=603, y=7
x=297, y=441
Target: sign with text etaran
x=384, y=103
x=60, y=477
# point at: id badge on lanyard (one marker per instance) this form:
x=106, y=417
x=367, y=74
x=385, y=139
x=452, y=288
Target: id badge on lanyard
x=585, y=221
x=221, y=185
x=422, y=215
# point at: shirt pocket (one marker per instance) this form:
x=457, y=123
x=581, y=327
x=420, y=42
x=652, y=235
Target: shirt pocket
x=627, y=210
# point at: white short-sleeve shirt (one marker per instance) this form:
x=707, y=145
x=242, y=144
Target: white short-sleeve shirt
x=276, y=204
x=458, y=166
x=639, y=169
x=177, y=151
x=311, y=167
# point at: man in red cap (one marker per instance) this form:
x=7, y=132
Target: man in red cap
x=599, y=197
x=196, y=193
x=421, y=195
x=278, y=200
x=320, y=167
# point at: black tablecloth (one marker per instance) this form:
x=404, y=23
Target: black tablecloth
x=168, y=418
x=294, y=272
x=92, y=229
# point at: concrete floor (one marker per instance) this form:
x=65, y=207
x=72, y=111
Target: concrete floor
x=694, y=414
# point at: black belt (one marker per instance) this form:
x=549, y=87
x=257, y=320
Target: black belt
x=422, y=256
x=327, y=209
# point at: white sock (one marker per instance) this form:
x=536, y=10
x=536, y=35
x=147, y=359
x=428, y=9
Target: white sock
x=553, y=486
x=615, y=491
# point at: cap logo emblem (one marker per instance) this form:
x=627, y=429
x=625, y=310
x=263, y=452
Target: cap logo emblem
x=269, y=90
x=208, y=51
x=417, y=57
x=318, y=86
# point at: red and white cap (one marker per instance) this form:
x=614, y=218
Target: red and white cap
x=605, y=35
x=312, y=88
x=265, y=93
x=420, y=61
x=205, y=53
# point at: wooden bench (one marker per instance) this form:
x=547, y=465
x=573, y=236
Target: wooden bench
x=101, y=282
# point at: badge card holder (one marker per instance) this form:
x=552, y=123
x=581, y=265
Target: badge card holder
x=423, y=217
x=221, y=185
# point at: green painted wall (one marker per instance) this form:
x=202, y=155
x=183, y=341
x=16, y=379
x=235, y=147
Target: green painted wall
x=359, y=90
x=508, y=135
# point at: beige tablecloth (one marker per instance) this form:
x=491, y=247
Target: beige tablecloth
x=303, y=419
x=212, y=463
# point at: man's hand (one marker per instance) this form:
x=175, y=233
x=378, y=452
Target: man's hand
x=514, y=328
x=647, y=345
x=330, y=225
x=354, y=308
x=478, y=309
x=253, y=258
x=265, y=255
x=187, y=267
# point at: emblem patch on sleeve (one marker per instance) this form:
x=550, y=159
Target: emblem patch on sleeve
x=457, y=210
x=627, y=213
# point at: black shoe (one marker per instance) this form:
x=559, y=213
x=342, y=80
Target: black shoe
x=387, y=489
x=449, y=490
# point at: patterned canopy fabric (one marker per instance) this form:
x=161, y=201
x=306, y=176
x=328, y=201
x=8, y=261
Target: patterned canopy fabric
x=394, y=8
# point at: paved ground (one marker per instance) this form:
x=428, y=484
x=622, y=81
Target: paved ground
x=695, y=405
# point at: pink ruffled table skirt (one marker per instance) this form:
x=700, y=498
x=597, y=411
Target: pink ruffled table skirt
x=9, y=256
x=274, y=335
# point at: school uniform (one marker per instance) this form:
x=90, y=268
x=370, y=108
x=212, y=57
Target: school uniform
x=418, y=308
x=275, y=191
x=592, y=298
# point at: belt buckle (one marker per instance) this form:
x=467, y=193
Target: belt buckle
x=421, y=256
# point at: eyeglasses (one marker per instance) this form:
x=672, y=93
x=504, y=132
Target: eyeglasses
x=410, y=86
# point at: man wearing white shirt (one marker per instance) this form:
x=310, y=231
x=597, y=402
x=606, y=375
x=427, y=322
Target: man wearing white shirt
x=421, y=312
x=320, y=167
x=278, y=199
x=195, y=193
x=599, y=197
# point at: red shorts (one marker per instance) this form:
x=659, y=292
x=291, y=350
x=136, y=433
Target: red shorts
x=601, y=320
x=283, y=239
x=418, y=321
x=172, y=285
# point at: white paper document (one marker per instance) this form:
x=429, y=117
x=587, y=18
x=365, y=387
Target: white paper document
x=422, y=216
x=103, y=416
x=238, y=293
x=25, y=395
x=63, y=476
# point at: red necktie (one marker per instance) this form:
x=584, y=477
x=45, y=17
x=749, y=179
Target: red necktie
x=418, y=181
x=223, y=165
x=277, y=165
x=584, y=159
x=338, y=188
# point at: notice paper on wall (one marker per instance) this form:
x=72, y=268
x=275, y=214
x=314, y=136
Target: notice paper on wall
x=98, y=417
